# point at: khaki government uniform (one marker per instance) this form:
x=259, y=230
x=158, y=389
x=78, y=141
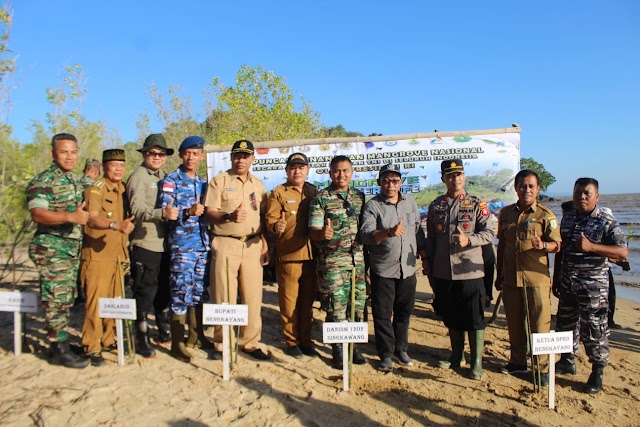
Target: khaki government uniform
x=238, y=246
x=100, y=252
x=295, y=266
x=524, y=267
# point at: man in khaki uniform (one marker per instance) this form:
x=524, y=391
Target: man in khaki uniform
x=104, y=246
x=528, y=231
x=287, y=218
x=235, y=205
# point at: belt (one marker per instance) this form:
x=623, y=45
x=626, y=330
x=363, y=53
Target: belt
x=243, y=238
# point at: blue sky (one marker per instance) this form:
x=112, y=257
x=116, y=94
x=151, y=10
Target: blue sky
x=566, y=71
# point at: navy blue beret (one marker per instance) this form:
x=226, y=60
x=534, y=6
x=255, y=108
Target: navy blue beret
x=192, y=142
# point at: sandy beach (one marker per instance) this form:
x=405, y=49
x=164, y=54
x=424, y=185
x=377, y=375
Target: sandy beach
x=308, y=392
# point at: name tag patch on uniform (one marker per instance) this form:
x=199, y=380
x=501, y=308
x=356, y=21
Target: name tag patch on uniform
x=229, y=189
x=291, y=201
x=168, y=187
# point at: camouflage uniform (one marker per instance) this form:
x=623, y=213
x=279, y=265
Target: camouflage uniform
x=188, y=241
x=55, y=249
x=584, y=281
x=338, y=256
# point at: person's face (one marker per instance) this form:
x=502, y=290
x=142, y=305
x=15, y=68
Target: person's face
x=341, y=174
x=390, y=184
x=585, y=198
x=155, y=157
x=114, y=170
x=191, y=158
x=241, y=162
x=65, y=154
x=527, y=190
x=297, y=174
x=454, y=182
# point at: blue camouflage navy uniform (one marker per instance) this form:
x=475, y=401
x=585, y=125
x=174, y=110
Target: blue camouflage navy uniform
x=188, y=241
x=584, y=281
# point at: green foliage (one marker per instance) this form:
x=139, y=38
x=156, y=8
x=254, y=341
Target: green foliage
x=546, y=179
x=338, y=131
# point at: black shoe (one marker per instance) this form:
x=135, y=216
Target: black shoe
x=62, y=355
x=402, y=358
x=386, y=365
x=358, y=358
x=512, y=368
x=594, y=383
x=96, y=359
x=566, y=365
x=215, y=355
x=163, y=323
x=293, y=351
x=143, y=346
x=336, y=354
x=257, y=354
x=309, y=350
x=544, y=380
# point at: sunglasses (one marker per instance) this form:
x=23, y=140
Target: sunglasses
x=394, y=181
x=156, y=154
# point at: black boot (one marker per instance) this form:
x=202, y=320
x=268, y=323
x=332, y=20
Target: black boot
x=196, y=338
x=594, y=383
x=456, y=337
x=566, y=364
x=164, y=327
x=336, y=353
x=143, y=346
x=178, y=349
x=61, y=354
x=358, y=358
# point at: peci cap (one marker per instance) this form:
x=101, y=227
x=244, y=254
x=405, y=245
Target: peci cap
x=451, y=166
x=155, y=140
x=113, y=154
x=297, y=158
x=192, y=142
x=242, y=146
x=389, y=168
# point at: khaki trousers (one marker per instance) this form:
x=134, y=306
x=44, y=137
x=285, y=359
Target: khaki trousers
x=539, y=300
x=245, y=279
x=99, y=280
x=297, y=289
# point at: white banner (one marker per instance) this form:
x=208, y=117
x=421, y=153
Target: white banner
x=225, y=314
x=552, y=343
x=25, y=302
x=117, y=308
x=491, y=161
x=337, y=332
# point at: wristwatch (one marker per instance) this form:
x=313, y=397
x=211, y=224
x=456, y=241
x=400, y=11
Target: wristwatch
x=112, y=225
x=226, y=217
x=544, y=246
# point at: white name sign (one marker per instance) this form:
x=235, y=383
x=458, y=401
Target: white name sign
x=19, y=302
x=553, y=343
x=117, y=308
x=337, y=332
x=225, y=314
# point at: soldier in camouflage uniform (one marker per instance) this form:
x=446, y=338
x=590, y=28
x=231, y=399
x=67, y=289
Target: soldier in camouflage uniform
x=55, y=203
x=590, y=235
x=334, y=219
x=184, y=190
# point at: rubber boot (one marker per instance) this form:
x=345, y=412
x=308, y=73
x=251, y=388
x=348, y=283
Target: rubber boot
x=476, y=342
x=566, y=364
x=196, y=337
x=178, y=349
x=61, y=354
x=456, y=337
x=594, y=383
x=143, y=346
x=163, y=324
x=336, y=353
x=358, y=358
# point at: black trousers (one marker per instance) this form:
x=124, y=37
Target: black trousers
x=150, y=272
x=392, y=303
x=462, y=303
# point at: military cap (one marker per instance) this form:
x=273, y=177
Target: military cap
x=242, y=146
x=113, y=154
x=155, y=140
x=390, y=168
x=297, y=158
x=192, y=142
x=451, y=166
